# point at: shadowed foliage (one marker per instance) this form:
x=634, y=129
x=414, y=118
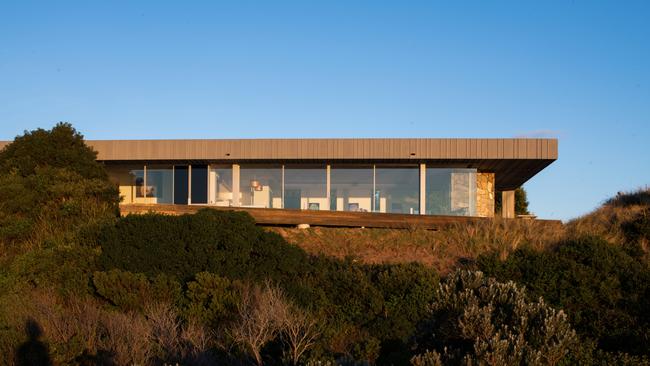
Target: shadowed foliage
x=604, y=290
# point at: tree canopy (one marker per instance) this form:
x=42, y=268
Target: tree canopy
x=50, y=184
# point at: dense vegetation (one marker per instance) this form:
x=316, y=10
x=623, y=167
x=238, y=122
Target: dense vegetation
x=79, y=285
x=51, y=187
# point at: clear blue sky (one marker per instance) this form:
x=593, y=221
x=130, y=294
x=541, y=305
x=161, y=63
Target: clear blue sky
x=576, y=70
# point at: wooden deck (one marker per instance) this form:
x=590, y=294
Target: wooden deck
x=281, y=217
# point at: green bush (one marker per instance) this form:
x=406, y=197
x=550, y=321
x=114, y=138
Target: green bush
x=65, y=269
x=211, y=299
x=605, y=291
x=407, y=290
x=477, y=320
x=133, y=291
x=211, y=249
x=222, y=242
x=385, y=302
x=51, y=187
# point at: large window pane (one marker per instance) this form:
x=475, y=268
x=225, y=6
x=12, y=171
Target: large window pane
x=130, y=180
x=199, y=181
x=305, y=187
x=181, y=185
x=260, y=186
x=351, y=188
x=397, y=189
x=451, y=192
x=160, y=183
x=220, y=182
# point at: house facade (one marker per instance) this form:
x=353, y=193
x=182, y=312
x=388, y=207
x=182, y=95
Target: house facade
x=457, y=177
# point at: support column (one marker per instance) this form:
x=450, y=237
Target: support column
x=189, y=184
x=235, y=185
x=508, y=204
x=423, y=189
x=144, y=181
x=327, y=187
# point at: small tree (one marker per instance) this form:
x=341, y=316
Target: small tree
x=521, y=202
x=51, y=185
x=60, y=147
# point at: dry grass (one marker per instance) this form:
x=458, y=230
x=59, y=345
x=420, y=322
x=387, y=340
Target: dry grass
x=609, y=220
x=444, y=249
x=441, y=249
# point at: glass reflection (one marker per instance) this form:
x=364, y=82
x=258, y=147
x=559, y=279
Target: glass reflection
x=160, y=184
x=351, y=188
x=451, y=192
x=260, y=186
x=305, y=187
x=220, y=182
x=397, y=189
x=130, y=180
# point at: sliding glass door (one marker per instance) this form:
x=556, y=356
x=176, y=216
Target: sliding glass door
x=181, y=184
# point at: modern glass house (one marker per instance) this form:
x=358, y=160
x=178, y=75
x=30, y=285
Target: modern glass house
x=408, y=176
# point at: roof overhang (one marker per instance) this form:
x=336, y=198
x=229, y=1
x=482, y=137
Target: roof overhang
x=513, y=161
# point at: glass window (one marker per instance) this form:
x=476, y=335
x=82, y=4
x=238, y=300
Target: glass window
x=305, y=187
x=397, y=189
x=351, y=188
x=260, y=186
x=451, y=192
x=130, y=181
x=220, y=183
x=181, y=185
x=160, y=183
x=138, y=182
x=199, y=182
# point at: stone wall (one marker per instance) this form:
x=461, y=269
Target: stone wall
x=485, y=194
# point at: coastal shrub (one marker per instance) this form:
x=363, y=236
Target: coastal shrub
x=406, y=290
x=360, y=302
x=66, y=269
x=604, y=291
x=211, y=299
x=226, y=243
x=134, y=291
x=477, y=320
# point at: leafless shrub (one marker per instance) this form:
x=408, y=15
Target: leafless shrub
x=128, y=337
x=197, y=340
x=165, y=329
x=82, y=326
x=299, y=331
x=174, y=340
x=260, y=317
x=264, y=314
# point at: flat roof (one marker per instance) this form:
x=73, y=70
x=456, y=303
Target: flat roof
x=513, y=160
